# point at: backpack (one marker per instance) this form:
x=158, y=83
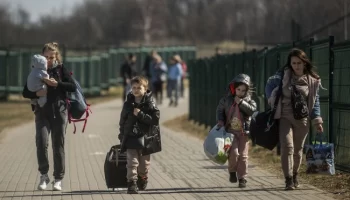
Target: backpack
x=77, y=105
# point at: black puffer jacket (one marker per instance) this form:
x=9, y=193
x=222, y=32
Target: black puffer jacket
x=147, y=118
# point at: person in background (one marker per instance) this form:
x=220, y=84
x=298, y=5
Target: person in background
x=183, y=77
x=148, y=63
x=127, y=72
x=174, y=78
x=158, y=77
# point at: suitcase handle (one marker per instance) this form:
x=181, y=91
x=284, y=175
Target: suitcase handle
x=114, y=151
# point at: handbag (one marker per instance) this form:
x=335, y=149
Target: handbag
x=152, y=141
x=299, y=104
x=264, y=128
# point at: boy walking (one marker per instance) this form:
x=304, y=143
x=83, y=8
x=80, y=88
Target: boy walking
x=138, y=117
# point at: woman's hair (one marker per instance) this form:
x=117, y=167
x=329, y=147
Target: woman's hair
x=309, y=68
x=53, y=46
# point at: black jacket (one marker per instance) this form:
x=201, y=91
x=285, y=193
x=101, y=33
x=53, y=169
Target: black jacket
x=147, y=118
x=127, y=71
x=147, y=66
x=65, y=84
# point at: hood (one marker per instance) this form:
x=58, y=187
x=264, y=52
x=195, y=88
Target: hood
x=240, y=78
x=39, y=62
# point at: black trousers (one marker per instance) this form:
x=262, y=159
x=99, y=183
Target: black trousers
x=51, y=119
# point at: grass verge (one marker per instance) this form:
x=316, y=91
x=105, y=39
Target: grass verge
x=18, y=110
x=339, y=184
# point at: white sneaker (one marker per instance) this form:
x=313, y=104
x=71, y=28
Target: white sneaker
x=44, y=180
x=57, y=185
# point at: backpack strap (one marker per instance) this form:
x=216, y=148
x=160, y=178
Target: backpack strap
x=70, y=119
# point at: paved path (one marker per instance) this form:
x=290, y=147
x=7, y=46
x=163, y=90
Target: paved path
x=180, y=171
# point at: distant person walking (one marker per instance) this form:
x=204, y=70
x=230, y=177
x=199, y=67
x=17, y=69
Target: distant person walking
x=158, y=77
x=174, y=78
x=127, y=72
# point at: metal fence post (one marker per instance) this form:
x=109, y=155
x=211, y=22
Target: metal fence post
x=278, y=63
x=311, y=41
x=330, y=106
x=7, y=72
x=64, y=53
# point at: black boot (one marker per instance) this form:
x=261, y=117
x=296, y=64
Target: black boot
x=295, y=180
x=233, y=177
x=289, y=183
x=142, y=183
x=132, y=187
x=242, y=183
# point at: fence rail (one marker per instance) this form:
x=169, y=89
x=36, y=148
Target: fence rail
x=96, y=69
x=210, y=76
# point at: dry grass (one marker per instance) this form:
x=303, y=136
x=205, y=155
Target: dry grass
x=227, y=47
x=339, y=184
x=18, y=110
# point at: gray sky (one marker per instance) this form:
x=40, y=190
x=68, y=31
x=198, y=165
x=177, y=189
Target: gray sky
x=36, y=8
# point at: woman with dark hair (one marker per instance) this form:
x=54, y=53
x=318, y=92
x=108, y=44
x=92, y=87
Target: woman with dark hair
x=298, y=104
x=52, y=117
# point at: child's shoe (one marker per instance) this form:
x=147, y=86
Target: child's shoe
x=233, y=177
x=132, y=188
x=242, y=183
x=142, y=183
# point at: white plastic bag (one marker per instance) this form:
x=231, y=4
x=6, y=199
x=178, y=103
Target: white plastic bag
x=217, y=144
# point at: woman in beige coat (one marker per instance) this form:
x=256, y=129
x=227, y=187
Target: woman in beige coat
x=298, y=77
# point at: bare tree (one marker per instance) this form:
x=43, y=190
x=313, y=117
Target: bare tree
x=183, y=21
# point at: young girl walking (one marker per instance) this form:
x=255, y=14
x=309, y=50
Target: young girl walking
x=234, y=113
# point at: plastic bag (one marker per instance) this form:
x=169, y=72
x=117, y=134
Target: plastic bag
x=320, y=158
x=217, y=144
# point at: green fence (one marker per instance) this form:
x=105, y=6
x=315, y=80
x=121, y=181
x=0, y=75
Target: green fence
x=95, y=69
x=210, y=76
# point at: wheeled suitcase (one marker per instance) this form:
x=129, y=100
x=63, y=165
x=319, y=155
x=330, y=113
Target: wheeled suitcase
x=115, y=168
